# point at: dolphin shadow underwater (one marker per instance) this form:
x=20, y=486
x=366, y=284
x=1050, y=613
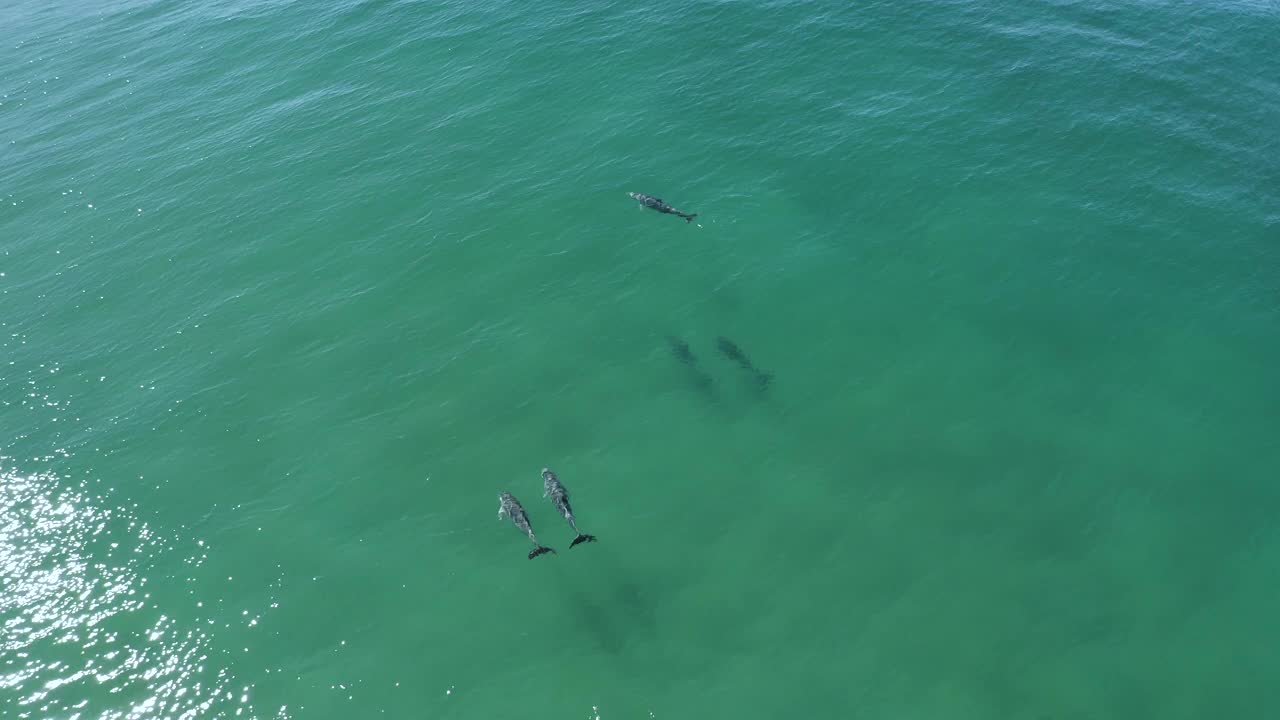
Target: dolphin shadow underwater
x=761, y=379
x=700, y=378
x=610, y=613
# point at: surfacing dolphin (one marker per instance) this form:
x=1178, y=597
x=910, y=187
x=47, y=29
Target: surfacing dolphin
x=560, y=499
x=654, y=203
x=509, y=506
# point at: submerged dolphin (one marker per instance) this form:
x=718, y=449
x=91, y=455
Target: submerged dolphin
x=654, y=203
x=681, y=350
x=560, y=499
x=735, y=353
x=510, y=507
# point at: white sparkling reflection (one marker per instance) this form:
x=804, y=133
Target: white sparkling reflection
x=76, y=622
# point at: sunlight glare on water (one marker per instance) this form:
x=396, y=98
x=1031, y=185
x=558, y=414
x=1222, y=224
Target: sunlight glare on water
x=78, y=611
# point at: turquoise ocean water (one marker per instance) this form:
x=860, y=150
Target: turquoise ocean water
x=289, y=292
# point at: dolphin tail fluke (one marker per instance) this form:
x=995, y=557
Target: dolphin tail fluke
x=540, y=550
x=689, y=218
x=764, y=379
x=582, y=537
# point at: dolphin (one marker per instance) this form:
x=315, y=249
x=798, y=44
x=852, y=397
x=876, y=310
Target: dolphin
x=560, y=499
x=681, y=350
x=509, y=506
x=654, y=203
x=735, y=353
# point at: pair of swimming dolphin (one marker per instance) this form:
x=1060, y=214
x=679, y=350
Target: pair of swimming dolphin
x=509, y=506
x=729, y=349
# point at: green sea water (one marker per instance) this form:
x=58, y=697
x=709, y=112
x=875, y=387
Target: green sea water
x=289, y=292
